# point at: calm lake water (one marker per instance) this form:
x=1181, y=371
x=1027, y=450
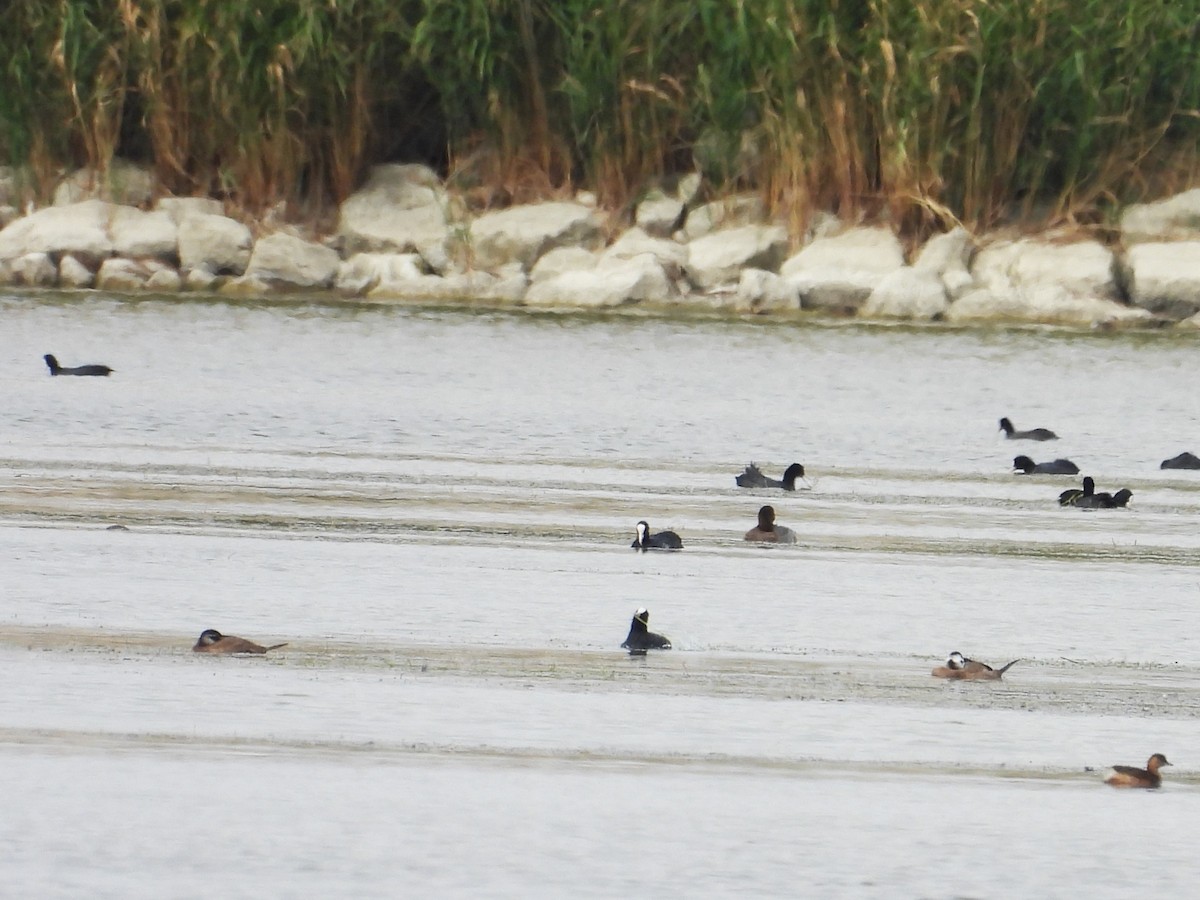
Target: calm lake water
x=433, y=507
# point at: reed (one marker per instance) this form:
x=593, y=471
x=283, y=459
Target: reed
x=928, y=112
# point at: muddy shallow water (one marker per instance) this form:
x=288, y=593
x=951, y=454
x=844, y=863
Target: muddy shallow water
x=434, y=508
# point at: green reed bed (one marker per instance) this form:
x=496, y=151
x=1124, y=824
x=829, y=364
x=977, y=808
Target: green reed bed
x=934, y=111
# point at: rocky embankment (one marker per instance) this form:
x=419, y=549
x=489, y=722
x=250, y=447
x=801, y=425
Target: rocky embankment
x=405, y=237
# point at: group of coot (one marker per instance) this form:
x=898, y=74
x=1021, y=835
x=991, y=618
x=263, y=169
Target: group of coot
x=1086, y=497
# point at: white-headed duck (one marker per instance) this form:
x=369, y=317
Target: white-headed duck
x=1132, y=777
x=754, y=478
x=767, y=531
x=1034, y=434
x=641, y=638
x=663, y=540
x=56, y=369
x=964, y=669
x=1023, y=465
x=212, y=641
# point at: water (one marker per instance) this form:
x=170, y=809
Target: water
x=433, y=508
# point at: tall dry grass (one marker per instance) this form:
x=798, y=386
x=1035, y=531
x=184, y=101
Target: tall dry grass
x=928, y=112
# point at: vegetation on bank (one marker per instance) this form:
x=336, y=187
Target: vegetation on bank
x=924, y=110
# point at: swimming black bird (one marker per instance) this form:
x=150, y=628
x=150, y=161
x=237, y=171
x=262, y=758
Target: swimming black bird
x=1035, y=434
x=664, y=540
x=754, y=478
x=1184, y=460
x=1089, y=499
x=1058, y=467
x=641, y=638
x=56, y=369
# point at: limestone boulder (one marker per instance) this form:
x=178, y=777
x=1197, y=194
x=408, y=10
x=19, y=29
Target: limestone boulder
x=948, y=256
x=1082, y=269
x=73, y=273
x=1164, y=277
x=839, y=272
x=144, y=234
x=760, y=291
x=455, y=287
x=81, y=229
x=164, y=281
x=737, y=211
x=123, y=182
x=717, y=259
x=217, y=243
x=1047, y=304
x=561, y=260
x=671, y=254
x=122, y=275
x=400, y=209
x=659, y=214
x=1175, y=218
x=524, y=233
x=616, y=282
x=286, y=261
x=907, y=293
x=363, y=272
x=179, y=208
x=33, y=270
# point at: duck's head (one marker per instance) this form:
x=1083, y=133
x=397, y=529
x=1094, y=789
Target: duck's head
x=956, y=661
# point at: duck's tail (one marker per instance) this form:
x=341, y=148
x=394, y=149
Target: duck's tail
x=1004, y=669
x=284, y=644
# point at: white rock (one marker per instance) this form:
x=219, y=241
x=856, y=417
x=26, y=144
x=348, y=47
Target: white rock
x=672, y=255
x=1176, y=217
x=1045, y=304
x=949, y=256
x=165, y=281
x=560, y=260
x=1084, y=269
x=400, y=208
x=245, y=286
x=659, y=215
x=81, y=229
x=143, y=234
x=732, y=212
x=524, y=233
x=33, y=270
x=124, y=183
x=179, y=208
x=1164, y=277
x=615, y=283
x=122, y=275
x=199, y=279
x=717, y=259
x=363, y=272
x=688, y=188
x=841, y=271
x=283, y=260
x=216, y=243
x=466, y=286
x=907, y=293
x=760, y=291
x=74, y=274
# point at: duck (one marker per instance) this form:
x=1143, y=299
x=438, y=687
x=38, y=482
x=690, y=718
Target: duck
x=1023, y=465
x=754, y=478
x=641, y=638
x=965, y=669
x=1071, y=496
x=767, y=531
x=56, y=369
x=1131, y=777
x=212, y=641
x=664, y=540
x=1184, y=460
x=1034, y=434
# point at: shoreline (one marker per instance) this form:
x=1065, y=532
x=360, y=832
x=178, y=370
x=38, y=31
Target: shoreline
x=405, y=238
